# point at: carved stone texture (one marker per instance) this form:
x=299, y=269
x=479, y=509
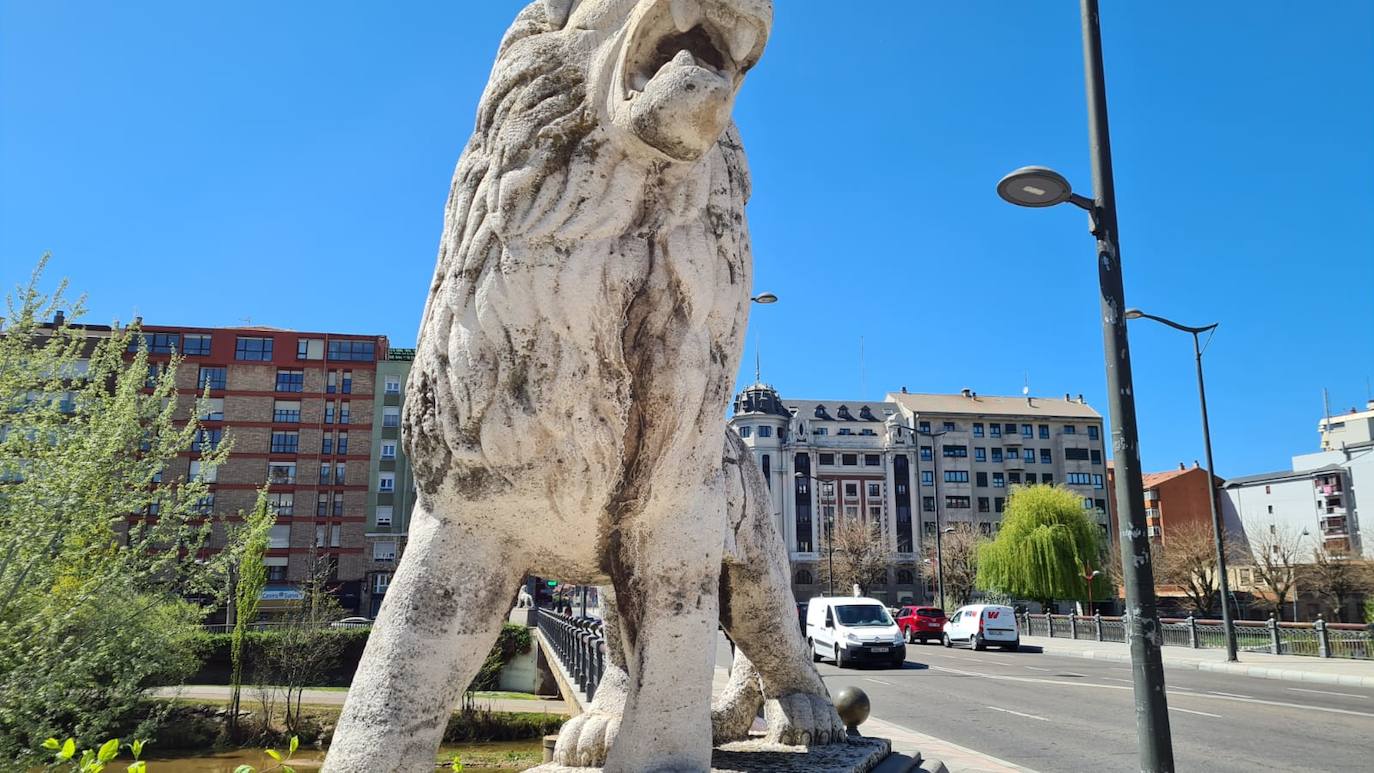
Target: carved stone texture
x=565, y=410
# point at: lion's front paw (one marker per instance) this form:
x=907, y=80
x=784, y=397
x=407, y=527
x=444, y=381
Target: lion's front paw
x=803, y=719
x=585, y=739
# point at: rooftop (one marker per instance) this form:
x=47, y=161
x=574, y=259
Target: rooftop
x=830, y=410
x=1282, y=475
x=974, y=404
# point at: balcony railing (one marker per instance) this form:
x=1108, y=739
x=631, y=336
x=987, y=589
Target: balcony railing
x=1319, y=639
x=579, y=645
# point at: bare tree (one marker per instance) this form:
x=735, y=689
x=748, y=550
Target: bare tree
x=1275, y=549
x=861, y=556
x=1338, y=576
x=959, y=549
x=1187, y=560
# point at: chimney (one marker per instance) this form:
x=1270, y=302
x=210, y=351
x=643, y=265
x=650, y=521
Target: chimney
x=138, y=321
x=1181, y=466
x=1195, y=464
x=1067, y=398
x=904, y=390
x=966, y=392
x=1080, y=399
x=59, y=319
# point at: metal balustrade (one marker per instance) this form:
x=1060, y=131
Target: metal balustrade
x=579, y=645
x=1319, y=639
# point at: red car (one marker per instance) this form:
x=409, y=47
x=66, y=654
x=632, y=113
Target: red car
x=921, y=624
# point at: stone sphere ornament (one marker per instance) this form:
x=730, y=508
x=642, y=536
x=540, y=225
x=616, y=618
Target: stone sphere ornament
x=853, y=706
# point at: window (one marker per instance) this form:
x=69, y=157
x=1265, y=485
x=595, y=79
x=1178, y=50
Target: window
x=1070, y=429
x=928, y=504
x=851, y=491
x=1028, y=455
x=338, y=508
x=765, y=431
x=999, y=504
x=927, y=453
x=391, y=385
x=1046, y=457
x=157, y=343
x=386, y=482
x=820, y=431
x=978, y=429
x=310, y=348
x=849, y=460
x=200, y=473
x=875, y=490
x=211, y=409
x=281, y=473
x=746, y=431
x=340, y=468
x=843, y=431
x=851, y=512
x=207, y=439
x=388, y=449
x=1096, y=456
x=827, y=459
x=328, y=413
x=347, y=383
x=1047, y=479
x=283, y=504
x=327, y=444
x=286, y=411
x=279, y=537
x=956, y=503
x=998, y=481
x=986, y=528
x=391, y=416
x=380, y=582
x=1092, y=432
x=949, y=426
x=1014, y=478
x=322, y=504
x=384, y=551
x=1100, y=504
x=290, y=381
x=1087, y=503
x=319, y=536
x=956, y=476
x=981, y=480
x=1079, y=479
x=984, y=505
x=873, y=460
x=1267, y=490
x=343, y=442
x=997, y=454
x=1044, y=432
x=211, y=378
x=905, y=577
x=352, y=351
x=1030, y=479
x=828, y=489
x=343, y=412
x=1075, y=454
x=326, y=472
x=1027, y=430
x=384, y=515
x=275, y=572
x=286, y=442
x=927, y=478
x=334, y=534
x=253, y=349
x=994, y=430
x=980, y=454
x=955, y=452
x=1098, y=482
x=331, y=382
x=923, y=426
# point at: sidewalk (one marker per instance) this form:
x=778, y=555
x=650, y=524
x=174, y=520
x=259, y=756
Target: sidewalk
x=1261, y=665
x=336, y=698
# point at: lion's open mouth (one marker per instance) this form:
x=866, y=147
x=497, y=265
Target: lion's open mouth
x=708, y=34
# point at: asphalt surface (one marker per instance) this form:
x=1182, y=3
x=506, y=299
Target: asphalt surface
x=1054, y=713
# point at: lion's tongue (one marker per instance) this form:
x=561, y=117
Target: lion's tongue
x=684, y=58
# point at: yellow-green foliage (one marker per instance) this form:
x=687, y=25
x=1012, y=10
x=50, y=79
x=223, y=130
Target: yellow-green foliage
x=1045, y=541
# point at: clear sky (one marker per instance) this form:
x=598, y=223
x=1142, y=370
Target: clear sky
x=287, y=163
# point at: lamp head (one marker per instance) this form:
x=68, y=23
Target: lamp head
x=1133, y=314
x=765, y=298
x=1035, y=186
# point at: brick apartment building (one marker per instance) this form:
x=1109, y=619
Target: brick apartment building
x=300, y=409
x=1176, y=499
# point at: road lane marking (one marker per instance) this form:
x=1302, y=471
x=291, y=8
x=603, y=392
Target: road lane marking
x=1230, y=694
x=1037, y=668
x=1199, y=713
x=1328, y=692
x=1018, y=713
x=879, y=681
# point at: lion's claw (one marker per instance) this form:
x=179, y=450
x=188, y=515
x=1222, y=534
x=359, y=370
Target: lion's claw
x=803, y=719
x=585, y=739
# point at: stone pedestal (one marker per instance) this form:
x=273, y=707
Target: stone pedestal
x=860, y=755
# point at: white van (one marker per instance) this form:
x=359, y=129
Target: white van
x=850, y=630
x=981, y=625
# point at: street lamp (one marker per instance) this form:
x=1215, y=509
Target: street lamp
x=1040, y=187
x=1218, y=534
x=1088, y=577
x=939, y=546
x=765, y=298
x=829, y=537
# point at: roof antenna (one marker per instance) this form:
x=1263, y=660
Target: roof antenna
x=1025, y=389
x=758, y=362
x=863, y=377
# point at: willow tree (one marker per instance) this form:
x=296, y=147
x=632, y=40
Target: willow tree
x=1046, y=542
x=99, y=528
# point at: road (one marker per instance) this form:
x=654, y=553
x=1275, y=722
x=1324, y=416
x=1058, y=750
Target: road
x=1055, y=713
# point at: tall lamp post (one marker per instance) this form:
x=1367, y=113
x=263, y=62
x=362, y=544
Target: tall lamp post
x=829, y=537
x=1041, y=187
x=1218, y=533
x=939, y=546
x=1090, y=574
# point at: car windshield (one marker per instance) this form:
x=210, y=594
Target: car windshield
x=858, y=615
x=931, y=612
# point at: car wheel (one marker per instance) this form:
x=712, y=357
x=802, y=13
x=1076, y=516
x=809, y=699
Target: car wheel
x=1013, y=647
x=944, y=639
x=898, y=661
x=976, y=643
x=911, y=636
x=815, y=656
x=839, y=657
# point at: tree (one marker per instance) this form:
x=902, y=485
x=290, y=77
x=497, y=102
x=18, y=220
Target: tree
x=959, y=548
x=303, y=652
x=252, y=578
x=97, y=531
x=1274, y=548
x=1338, y=577
x=1044, y=544
x=861, y=556
x=1187, y=559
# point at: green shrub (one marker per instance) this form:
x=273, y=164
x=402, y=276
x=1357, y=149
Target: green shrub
x=476, y=724
x=514, y=640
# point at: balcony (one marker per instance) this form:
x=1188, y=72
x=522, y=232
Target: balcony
x=1015, y=464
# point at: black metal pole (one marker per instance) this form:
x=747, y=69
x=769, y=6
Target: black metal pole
x=939, y=530
x=1218, y=533
x=1142, y=621
x=830, y=548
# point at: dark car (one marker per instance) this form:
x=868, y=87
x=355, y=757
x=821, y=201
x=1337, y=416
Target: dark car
x=801, y=616
x=921, y=624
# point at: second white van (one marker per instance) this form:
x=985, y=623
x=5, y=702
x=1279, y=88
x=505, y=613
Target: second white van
x=983, y=625
x=851, y=630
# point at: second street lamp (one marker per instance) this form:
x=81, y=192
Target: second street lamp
x=1218, y=533
x=935, y=483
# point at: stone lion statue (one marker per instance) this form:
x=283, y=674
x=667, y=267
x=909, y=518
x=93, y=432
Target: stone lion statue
x=565, y=410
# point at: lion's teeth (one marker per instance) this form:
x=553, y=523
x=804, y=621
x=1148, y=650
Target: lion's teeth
x=686, y=14
x=640, y=82
x=742, y=40
x=684, y=58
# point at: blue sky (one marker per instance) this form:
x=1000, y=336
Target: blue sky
x=288, y=163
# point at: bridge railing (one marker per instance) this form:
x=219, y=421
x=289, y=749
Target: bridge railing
x=579, y=644
x=1318, y=639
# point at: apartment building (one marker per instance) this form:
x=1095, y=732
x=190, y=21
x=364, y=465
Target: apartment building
x=300, y=409
x=901, y=461
x=391, y=487
x=1176, y=499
